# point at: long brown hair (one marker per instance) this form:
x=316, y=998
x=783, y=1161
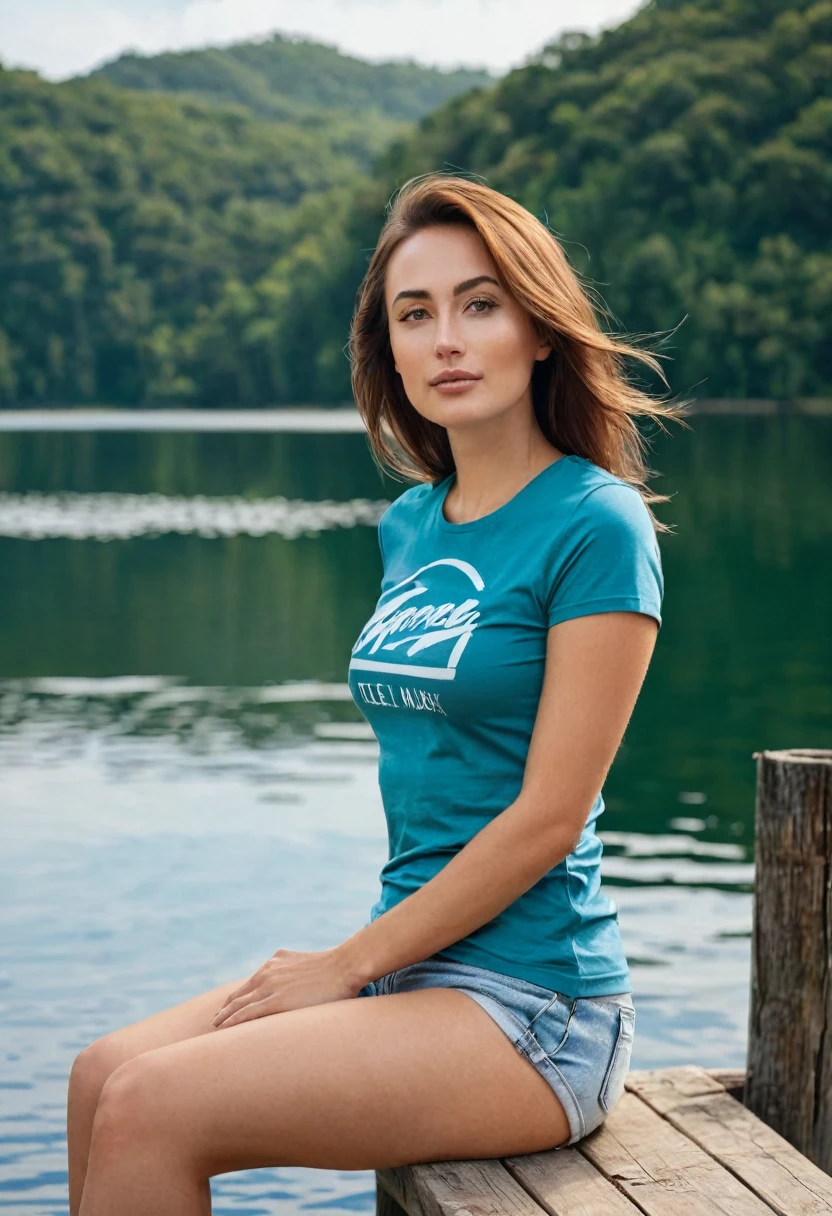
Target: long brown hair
x=583, y=402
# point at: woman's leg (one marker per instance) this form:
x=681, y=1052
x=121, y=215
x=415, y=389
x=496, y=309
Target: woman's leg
x=95, y=1064
x=354, y=1084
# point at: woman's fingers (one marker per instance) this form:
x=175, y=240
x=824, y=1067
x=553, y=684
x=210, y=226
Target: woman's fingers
x=232, y=1007
x=248, y=1010
x=290, y=979
x=244, y=990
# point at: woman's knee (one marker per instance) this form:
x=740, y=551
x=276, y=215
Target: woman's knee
x=93, y=1066
x=131, y=1109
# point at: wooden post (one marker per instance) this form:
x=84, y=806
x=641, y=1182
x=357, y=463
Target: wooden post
x=789, y=1076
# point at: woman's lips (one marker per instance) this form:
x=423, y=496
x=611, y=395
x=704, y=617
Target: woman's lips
x=455, y=386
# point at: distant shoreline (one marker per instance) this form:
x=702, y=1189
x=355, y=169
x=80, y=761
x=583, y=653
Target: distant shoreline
x=312, y=419
x=85, y=419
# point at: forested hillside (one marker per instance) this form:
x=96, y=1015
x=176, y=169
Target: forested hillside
x=166, y=249
x=685, y=159
x=127, y=218
x=293, y=78
x=146, y=237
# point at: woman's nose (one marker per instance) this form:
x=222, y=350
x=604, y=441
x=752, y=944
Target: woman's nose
x=448, y=339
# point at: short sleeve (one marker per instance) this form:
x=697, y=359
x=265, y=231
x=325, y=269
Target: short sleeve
x=609, y=559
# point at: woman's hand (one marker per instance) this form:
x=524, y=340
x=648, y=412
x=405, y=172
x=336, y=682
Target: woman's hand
x=290, y=979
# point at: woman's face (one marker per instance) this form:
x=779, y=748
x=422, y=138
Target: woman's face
x=448, y=311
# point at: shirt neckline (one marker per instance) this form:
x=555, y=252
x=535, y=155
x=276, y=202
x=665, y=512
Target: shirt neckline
x=444, y=486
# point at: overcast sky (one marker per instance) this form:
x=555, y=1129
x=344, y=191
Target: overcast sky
x=61, y=39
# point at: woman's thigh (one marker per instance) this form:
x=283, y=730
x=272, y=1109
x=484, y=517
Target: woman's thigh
x=353, y=1084
x=186, y=1020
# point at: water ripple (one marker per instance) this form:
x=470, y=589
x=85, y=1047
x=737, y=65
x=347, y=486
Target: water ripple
x=121, y=516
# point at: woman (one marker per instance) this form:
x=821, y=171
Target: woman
x=518, y=613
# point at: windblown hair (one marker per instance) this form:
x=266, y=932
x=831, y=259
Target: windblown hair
x=583, y=401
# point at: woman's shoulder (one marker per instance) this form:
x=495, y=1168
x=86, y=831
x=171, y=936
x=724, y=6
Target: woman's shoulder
x=410, y=500
x=588, y=476
x=603, y=500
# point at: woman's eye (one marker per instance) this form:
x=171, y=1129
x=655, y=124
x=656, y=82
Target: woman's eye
x=489, y=304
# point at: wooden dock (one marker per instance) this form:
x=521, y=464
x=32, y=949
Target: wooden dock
x=679, y=1142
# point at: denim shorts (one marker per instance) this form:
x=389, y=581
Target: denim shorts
x=580, y=1045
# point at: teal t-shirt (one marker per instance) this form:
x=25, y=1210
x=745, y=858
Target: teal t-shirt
x=448, y=672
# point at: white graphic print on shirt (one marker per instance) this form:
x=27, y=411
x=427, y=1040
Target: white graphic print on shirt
x=421, y=625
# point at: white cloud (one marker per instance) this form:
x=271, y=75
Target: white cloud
x=61, y=41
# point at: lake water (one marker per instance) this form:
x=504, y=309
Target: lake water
x=187, y=785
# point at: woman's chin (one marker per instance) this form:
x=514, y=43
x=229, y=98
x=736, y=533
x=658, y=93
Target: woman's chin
x=467, y=410
x=458, y=414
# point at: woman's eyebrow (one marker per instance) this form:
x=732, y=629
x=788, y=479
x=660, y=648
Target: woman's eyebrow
x=417, y=293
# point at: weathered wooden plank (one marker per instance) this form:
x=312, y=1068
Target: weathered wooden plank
x=661, y=1169
x=731, y=1078
x=565, y=1183
x=676, y=1144
x=447, y=1188
x=699, y=1107
x=386, y=1204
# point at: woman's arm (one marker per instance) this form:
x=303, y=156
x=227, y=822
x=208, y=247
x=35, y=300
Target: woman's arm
x=595, y=667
